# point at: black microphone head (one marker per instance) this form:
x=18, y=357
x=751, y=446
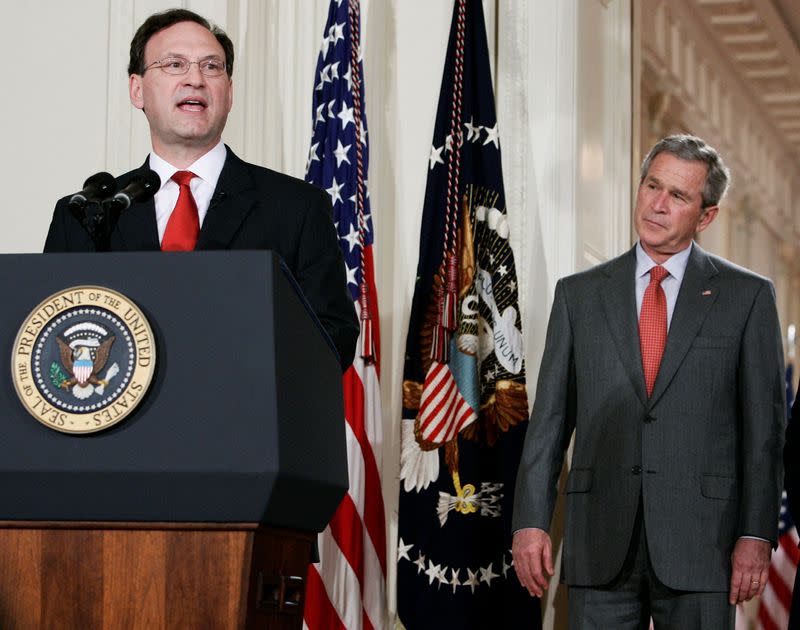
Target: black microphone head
x=141, y=187
x=151, y=183
x=99, y=186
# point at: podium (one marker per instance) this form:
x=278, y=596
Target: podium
x=198, y=510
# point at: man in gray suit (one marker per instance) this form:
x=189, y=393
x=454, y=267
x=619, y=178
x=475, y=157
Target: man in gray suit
x=672, y=382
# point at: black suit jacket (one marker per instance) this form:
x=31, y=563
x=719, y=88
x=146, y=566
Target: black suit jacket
x=252, y=208
x=791, y=462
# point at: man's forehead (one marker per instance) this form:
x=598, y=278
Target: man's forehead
x=189, y=37
x=668, y=165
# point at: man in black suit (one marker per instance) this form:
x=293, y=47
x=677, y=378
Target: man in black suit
x=180, y=76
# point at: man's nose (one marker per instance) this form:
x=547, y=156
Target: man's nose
x=660, y=203
x=193, y=75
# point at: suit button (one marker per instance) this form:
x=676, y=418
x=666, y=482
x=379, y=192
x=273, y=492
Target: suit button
x=648, y=419
x=636, y=470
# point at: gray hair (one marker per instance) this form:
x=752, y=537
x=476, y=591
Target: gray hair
x=692, y=148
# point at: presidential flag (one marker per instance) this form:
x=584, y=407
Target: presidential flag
x=776, y=601
x=465, y=404
x=346, y=589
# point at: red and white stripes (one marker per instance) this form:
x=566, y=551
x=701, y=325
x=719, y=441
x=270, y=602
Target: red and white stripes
x=776, y=601
x=443, y=411
x=347, y=588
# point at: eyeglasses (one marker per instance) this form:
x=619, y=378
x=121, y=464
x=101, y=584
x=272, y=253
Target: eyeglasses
x=212, y=67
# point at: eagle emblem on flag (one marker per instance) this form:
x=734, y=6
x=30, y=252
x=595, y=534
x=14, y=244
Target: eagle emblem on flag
x=479, y=392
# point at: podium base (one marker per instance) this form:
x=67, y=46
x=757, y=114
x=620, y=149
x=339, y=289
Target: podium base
x=151, y=576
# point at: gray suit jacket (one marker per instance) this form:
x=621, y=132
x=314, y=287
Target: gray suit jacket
x=704, y=452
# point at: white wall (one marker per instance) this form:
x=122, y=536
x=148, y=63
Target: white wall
x=54, y=111
x=563, y=99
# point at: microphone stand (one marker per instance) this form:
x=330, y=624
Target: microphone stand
x=98, y=218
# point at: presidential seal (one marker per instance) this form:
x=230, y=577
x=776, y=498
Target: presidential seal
x=83, y=359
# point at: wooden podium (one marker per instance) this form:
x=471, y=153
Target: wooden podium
x=200, y=510
x=150, y=576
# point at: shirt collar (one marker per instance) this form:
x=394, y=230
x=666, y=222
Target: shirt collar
x=207, y=167
x=675, y=264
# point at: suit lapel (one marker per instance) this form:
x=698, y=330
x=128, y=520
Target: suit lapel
x=619, y=304
x=233, y=199
x=697, y=294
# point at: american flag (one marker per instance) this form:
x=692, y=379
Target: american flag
x=773, y=612
x=346, y=589
x=776, y=601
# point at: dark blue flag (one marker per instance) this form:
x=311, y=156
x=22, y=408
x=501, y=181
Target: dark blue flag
x=465, y=404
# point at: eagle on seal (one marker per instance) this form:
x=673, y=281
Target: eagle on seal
x=84, y=358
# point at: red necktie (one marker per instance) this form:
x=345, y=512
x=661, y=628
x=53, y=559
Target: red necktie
x=653, y=326
x=184, y=224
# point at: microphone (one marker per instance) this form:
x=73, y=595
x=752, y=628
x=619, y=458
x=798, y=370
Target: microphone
x=98, y=186
x=140, y=188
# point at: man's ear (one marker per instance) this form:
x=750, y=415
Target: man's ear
x=135, y=89
x=706, y=217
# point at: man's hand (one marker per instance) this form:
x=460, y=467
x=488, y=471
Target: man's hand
x=533, y=559
x=750, y=564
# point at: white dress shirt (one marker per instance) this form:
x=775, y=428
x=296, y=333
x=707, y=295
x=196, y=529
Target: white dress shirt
x=207, y=168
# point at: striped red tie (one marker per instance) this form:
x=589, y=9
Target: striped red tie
x=184, y=224
x=653, y=326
